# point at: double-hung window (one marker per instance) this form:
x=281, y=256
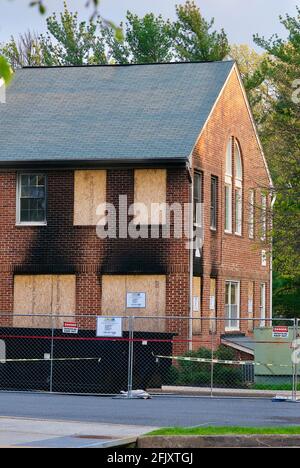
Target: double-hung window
x=228, y=188
x=238, y=190
x=251, y=214
x=232, y=305
x=214, y=203
x=198, y=199
x=31, y=199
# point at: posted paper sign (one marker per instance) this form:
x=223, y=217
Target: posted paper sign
x=136, y=300
x=196, y=304
x=280, y=332
x=109, y=327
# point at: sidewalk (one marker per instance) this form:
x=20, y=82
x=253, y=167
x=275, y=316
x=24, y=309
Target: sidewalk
x=19, y=432
x=223, y=392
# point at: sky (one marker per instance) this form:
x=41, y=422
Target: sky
x=240, y=18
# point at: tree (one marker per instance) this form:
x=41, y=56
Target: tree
x=70, y=42
x=146, y=40
x=194, y=40
x=259, y=90
x=25, y=52
x=16, y=50
x=280, y=135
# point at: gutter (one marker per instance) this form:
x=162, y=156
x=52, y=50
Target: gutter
x=93, y=163
x=191, y=255
x=271, y=261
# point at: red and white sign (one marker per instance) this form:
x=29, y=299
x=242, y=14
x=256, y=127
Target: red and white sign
x=280, y=332
x=70, y=328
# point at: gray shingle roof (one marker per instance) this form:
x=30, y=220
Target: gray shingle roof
x=112, y=113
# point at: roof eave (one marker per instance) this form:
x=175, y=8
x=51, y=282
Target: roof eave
x=94, y=163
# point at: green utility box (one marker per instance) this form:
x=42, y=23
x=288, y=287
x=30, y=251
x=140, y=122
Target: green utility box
x=273, y=355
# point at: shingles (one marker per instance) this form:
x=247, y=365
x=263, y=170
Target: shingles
x=145, y=112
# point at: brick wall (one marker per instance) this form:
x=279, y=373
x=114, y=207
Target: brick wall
x=227, y=256
x=61, y=247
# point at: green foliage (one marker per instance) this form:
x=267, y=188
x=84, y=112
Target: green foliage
x=26, y=52
x=5, y=70
x=146, y=40
x=286, y=297
x=75, y=43
x=194, y=40
x=199, y=373
x=273, y=82
x=280, y=134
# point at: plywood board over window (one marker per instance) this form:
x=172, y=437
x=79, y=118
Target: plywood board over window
x=197, y=326
x=150, y=187
x=89, y=194
x=114, y=295
x=53, y=295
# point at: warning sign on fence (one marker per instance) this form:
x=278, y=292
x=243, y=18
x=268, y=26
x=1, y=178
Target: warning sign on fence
x=280, y=332
x=70, y=328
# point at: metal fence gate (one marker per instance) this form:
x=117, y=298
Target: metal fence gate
x=163, y=355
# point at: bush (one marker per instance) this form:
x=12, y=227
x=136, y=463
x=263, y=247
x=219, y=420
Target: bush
x=198, y=374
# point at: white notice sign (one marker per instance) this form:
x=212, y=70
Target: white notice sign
x=196, y=304
x=109, y=327
x=136, y=300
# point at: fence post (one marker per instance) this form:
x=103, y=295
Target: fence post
x=130, y=356
x=295, y=363
x=212, y=366
x=51, y=355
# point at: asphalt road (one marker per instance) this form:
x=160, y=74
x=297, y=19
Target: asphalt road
x=160, y=411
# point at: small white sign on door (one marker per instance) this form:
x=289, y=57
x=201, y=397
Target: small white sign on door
x=136, y=300
x=109, y=327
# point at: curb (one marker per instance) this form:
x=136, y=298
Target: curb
x=243, y=441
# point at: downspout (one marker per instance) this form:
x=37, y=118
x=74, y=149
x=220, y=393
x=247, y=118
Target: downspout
x=191, y=255
x=271, y=260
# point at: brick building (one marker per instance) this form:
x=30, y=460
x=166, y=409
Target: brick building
x=73, y=139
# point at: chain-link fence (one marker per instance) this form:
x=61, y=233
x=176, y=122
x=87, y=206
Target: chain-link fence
x=163, y=355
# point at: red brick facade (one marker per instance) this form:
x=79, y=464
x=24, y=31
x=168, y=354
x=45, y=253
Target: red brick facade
x=60, y=247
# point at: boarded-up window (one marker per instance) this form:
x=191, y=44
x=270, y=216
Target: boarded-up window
x=115, y=291
x=150, y=196
x=43, y=295
x=197, y=325
x=89, y=197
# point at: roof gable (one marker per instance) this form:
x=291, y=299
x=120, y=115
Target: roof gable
x=108, y=113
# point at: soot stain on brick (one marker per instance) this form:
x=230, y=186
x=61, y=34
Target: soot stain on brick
x=50, y=249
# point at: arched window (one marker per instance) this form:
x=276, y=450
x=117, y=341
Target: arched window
x=233, y=188
x=228, y=187
x=238, y=189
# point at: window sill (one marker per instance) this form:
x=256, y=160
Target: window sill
x=31, y=224
x=232, y=330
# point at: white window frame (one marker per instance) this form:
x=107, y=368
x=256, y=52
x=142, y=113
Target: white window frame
x=238, y=284
x=263, y=305
x=214, y=185
x=228, y=206
x=18, y=199
x=263, y=217
x=251, y=232
x=238, y=203
x=228, y=185
x=198, y=207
